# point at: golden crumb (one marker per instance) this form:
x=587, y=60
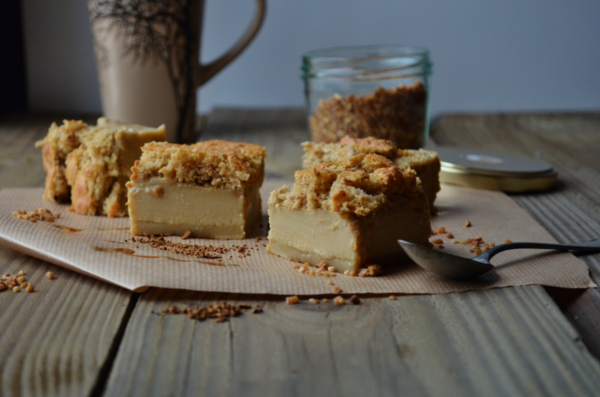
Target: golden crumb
x=158, y=191
x=50, y=276
x=314, y=301
x=16, y=289
x=338, y=300
x=186, y=235
x=437, y=241
x=359, y=185
x=219, y=164
x=425, y=163
x=325, y=300
x=449, y=235
x=467, y=223
x=40, y=214
x=441, y=230
x=508, y=242
x=393, y=297
x=292, y=300
x=337, y=290
x=395, y=113
x=30, y=288
x=330, y=282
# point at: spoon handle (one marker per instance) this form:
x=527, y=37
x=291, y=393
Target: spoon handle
x=591, y=246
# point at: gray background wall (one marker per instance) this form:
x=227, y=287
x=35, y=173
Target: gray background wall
x=488, y=55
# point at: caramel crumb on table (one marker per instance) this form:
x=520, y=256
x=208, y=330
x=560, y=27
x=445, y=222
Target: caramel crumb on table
x=40, y=214
x=467, y=223
x=337, y=290
x=325, y=300
x=508, y=242
x=186, y=235
x=393, y=297
x=441, y=230
x=50, y=276
x=338, y=300
x=292, y=300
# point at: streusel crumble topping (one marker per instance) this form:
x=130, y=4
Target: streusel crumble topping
x=357, y=185
x=220, y=164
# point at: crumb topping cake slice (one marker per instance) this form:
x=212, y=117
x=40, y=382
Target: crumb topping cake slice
x=89, y=165
x=209, y=188
x=349, y=213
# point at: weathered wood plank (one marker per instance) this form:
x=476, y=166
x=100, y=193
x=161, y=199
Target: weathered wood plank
x=493, y=343
x=571, y=212
x=57, y=340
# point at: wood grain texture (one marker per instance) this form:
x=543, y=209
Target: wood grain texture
x=571, y=212
x=506, y=342
x=56, y=340
x=500, y=342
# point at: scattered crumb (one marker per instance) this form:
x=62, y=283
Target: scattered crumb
x=330, y=282
x=325, y=300
x=355, y=300
x=508, y=242
x=441, y=230
x=467, y=223
x=186, y=235
x=372, y=270
x=449, y=235
x=50, y=276
x=30, y=288
x=197, y=251
x=337, y=290
x=393, y=297
x=16, y=289
x=220, y=313
x=332, y=269
x=40, y=214
x=158, y=191
x=314, y=301
x=454, y=242
x=437, y=241
x=441, y=247
x=338, y=300
x=292, y=300
x=257, y=310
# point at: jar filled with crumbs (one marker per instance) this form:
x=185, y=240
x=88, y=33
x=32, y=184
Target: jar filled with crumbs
x=368, y=91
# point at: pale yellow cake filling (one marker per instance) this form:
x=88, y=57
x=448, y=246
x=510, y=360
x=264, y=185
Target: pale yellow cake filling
x=158, y=206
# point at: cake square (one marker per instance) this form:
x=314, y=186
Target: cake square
x=425, y=162
x=349, y=214
x=89, y=165
x=209, y=188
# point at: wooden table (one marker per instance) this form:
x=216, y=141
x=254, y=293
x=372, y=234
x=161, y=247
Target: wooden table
x=78, y=336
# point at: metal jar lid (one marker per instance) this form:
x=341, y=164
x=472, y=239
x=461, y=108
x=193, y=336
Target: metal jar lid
x=495, y=171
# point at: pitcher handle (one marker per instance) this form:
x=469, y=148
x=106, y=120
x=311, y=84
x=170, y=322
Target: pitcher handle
x=206, y=72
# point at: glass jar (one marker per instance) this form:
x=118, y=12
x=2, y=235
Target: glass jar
x=368, y=91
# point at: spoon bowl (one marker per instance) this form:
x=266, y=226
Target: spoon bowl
x=452, y=266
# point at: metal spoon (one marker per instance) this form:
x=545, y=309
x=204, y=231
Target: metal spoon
x=453, y=266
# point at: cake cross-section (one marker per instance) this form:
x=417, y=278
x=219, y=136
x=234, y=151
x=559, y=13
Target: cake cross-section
x=349, y=213
x=209, y=188
x=425, y=162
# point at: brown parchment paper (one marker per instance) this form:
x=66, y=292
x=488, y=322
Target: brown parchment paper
x=494, y=216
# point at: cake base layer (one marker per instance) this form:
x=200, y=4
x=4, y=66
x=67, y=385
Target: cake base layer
x=160, y=207
x=347, y=244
